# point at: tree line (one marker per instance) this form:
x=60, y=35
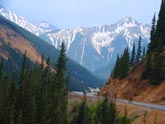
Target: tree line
x=128, y=60
x=154, y=58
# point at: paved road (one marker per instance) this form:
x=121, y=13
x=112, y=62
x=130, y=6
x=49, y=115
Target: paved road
x=152, y=106
x=147, y=105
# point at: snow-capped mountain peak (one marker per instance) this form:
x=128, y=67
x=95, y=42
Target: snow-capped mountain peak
x=100, y=44
x=45, y=25
x=128, y=20
x=21, y=21
x=93, y=47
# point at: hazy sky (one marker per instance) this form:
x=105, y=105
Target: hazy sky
x=71, y=13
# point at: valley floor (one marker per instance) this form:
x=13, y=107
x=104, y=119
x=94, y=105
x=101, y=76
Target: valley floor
x=152, y=115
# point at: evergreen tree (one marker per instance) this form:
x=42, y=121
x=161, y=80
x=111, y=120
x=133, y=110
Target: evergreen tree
x=27, y=115
x=160, y=28
x=148, y=68
x=138, y=56
x=60, y=86
x=35, y=79
x=58, y=95
x=117, y=68
x=106, y=112
x=122, y=65
x=20, y=100
x=125, y=63
x=40, y=95
x=4, y=87
x=47, y=75
x=60, y=66
x=1, y=90
x=157, y=74
x=10, y=113
x=132, y=61
x=152, y=36
x=144, y=52
x=83, y=115
x=154, y=65
x=1, y=69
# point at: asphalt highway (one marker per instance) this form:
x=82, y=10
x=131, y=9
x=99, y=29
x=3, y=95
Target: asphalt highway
x=147, y=105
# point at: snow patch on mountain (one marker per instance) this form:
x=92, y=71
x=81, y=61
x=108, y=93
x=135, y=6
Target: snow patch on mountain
x=47, y=27
x=36, y=28
x=102, y=39
x=64, y=35
x=96, y=47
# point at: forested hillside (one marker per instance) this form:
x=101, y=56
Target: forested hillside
x=15, y=41
x=37, y=95
x=154, y=60
x=35, y=80
x=140, y=75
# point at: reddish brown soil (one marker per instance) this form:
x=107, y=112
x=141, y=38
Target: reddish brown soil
x=133, y=87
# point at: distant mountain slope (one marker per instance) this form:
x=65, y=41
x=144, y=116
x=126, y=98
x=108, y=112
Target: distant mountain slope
x=97, y=47
x=35, y=28
x=45, y=26
x=16, y=40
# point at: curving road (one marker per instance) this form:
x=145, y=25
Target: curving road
x=147, y=105
x=152, y=106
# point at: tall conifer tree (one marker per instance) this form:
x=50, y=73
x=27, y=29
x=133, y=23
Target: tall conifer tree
x=132, y=61
x=152, y=44
x=160, y=28
x=139, y=51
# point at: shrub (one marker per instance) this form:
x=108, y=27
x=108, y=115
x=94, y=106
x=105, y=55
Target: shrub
x=163, y=98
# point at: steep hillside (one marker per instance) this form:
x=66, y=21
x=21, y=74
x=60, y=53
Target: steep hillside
x=16, y=40
x=145, y=79
x=133, y=86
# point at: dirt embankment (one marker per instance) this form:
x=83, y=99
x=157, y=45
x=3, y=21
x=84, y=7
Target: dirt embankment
x=133, y=87
x=19, y=43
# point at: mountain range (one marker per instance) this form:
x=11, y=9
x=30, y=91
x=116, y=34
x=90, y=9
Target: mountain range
x=95, y=48
x=36, y=28
x=14, y=41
